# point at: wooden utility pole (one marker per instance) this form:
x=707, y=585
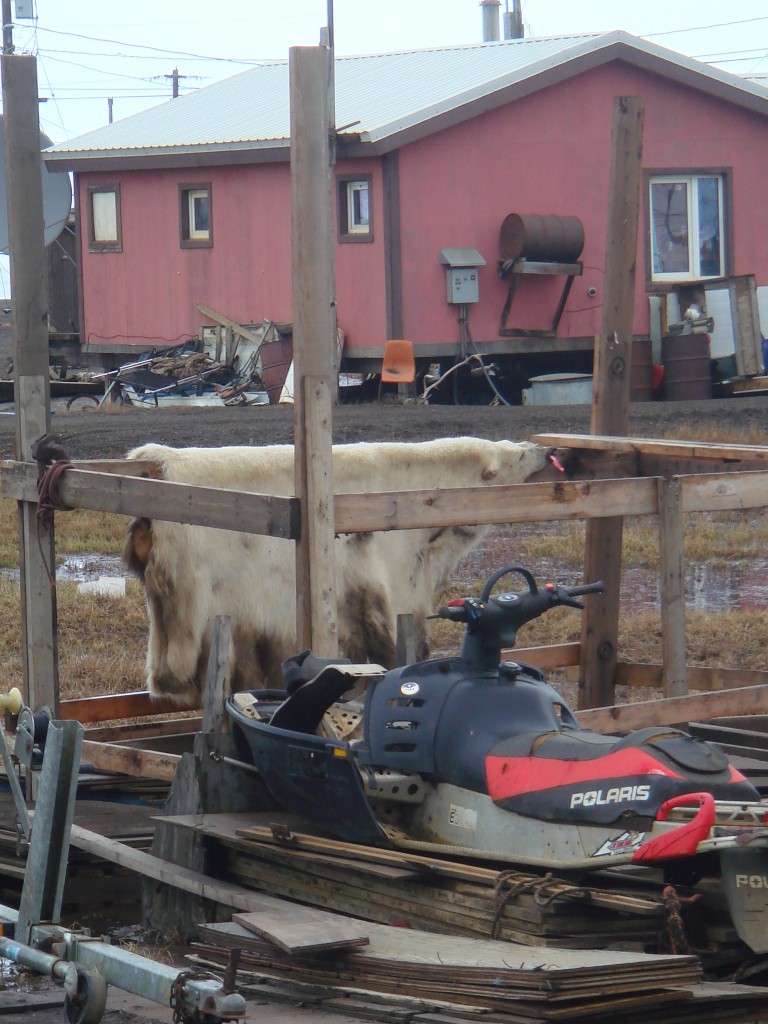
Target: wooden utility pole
x=175, y=77
x=29, y=302
x=7, y=27
x=314, y=346
x=610, y=398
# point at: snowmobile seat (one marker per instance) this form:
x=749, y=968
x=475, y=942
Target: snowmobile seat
x=303, y=710
x=670, y=745
x=303, y=667
x=567, y=745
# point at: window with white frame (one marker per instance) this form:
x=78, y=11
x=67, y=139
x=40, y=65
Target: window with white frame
x=104, y=222
x=687, y=227
x=354, y=205
x=195, y=215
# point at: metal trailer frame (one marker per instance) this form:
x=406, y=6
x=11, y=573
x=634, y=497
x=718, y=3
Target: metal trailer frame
x=83, y=965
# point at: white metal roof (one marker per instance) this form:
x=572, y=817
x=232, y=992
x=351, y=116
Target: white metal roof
x=385, y=99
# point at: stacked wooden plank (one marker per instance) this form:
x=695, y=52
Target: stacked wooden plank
x=518, y=906
x=514, y=981
x=96, y=891
x=282, y=855
x=426, y=892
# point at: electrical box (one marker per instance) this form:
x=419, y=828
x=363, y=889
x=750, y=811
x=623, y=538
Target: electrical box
x=462, y=284
x=461, y=277
x=25, y=9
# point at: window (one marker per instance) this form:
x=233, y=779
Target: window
x=354, y=198
x=104, y=224
x=195, y=220
x=687, y=227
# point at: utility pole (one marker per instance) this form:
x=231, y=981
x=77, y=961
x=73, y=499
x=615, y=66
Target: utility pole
x=610, y=397
x=314, y=347
x=7, y=27
x=174, y=77
x=29, y=301
x=109, y=108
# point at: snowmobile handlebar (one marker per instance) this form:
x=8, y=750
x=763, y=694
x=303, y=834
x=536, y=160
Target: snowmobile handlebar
x=492, y=621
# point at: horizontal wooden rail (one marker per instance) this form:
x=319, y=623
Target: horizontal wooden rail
x=106, y=708
x=145, y=764
x=278, y=516
x=646, y=446
x=513, y=503
x=542, y=502
x=245, y=512
x=698, y=677
x=699, y=707
x=132, y=732
x=545, y=658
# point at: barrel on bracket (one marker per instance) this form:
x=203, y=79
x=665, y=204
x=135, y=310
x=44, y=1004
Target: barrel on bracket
x=542, y=237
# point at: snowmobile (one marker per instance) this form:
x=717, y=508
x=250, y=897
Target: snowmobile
x=479, y=757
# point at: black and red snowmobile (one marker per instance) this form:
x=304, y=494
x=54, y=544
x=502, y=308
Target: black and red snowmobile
x=478, y=757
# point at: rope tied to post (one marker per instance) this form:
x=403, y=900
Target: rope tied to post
x=51, y=458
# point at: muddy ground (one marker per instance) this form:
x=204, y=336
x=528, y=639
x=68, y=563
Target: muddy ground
x=102, y=435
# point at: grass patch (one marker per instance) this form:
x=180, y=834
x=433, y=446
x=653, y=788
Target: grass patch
x=713, y=433
x=102, y=640
x=78, y=532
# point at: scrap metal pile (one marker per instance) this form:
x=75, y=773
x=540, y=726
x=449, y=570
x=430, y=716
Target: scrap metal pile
x=187, y=376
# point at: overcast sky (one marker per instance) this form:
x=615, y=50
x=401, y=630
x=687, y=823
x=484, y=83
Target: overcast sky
x=90, y=50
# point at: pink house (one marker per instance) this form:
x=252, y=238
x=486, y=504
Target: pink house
x=189, y=202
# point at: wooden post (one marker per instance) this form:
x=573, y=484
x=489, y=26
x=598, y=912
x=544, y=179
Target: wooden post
x=673, y=669
x=314, y=347
x=745, y=320
x=610, y=398
x=23, y=169
x=204, y=783
x=406, y=639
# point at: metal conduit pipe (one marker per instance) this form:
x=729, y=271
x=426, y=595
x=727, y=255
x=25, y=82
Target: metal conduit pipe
x=43, y=963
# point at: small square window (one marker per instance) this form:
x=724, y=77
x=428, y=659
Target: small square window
x=104, y=222
x=354, y=204
x=195, y=216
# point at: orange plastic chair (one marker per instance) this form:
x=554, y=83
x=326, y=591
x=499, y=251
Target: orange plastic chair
x=398, y=365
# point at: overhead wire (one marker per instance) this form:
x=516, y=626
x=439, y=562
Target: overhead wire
x=154, y=49
x=162, y=52
x=703, y=28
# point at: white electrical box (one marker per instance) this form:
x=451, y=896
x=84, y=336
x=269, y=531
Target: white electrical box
x=462, y=284
x=461, y=277
x=25, y=9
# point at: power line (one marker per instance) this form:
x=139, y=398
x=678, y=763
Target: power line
x=118, y=95
x=756, y=51
x=99, y=71
x=702, y=28
x=111, y=56
x=153, y=49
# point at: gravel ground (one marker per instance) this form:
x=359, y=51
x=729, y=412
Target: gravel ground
x=109, y=435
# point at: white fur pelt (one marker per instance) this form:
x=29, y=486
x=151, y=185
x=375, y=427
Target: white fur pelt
x=192, y=574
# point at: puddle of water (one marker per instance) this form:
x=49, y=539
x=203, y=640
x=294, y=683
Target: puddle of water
x=82, y=568
x=736, y=586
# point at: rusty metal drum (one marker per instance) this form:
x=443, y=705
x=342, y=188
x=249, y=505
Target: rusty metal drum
x=542, y=237
x=687, y=374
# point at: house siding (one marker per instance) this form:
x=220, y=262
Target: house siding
x=547, y=153
x=550, y=153
x=147, y=294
